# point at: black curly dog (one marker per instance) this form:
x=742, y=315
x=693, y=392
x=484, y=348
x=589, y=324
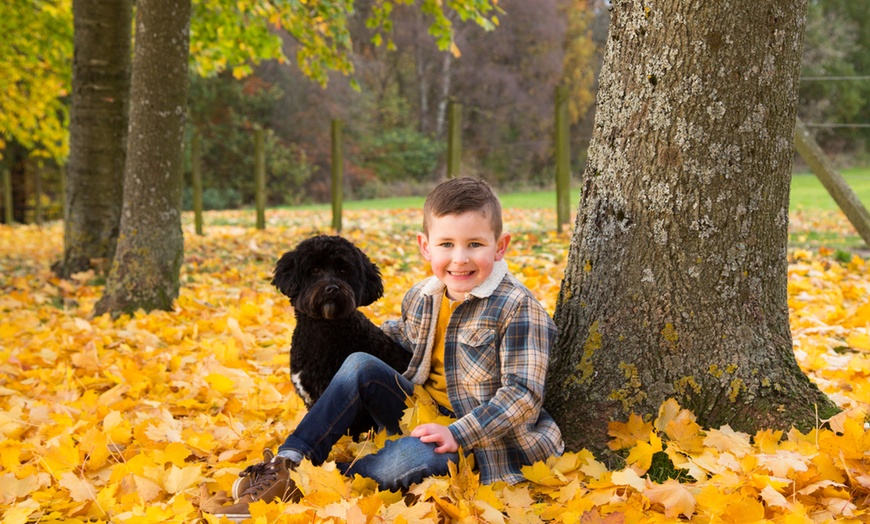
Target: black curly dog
x=326, y=279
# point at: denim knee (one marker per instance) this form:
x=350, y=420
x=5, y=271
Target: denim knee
x=402, y=463
x=359, y=364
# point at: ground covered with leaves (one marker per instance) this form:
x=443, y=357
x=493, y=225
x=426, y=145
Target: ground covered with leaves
x=149, y=418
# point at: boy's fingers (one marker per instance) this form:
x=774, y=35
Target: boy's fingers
x=434, y=437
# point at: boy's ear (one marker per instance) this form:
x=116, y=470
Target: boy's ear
x=423, y=242
x=501, y=245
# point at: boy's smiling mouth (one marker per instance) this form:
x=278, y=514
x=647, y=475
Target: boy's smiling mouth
x=461, y=273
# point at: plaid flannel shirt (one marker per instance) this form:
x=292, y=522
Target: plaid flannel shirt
x=496, y=354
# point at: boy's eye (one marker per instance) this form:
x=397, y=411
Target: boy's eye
x=446, y=244
x=475, y=244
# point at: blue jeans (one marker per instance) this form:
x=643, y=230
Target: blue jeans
x=366, y=383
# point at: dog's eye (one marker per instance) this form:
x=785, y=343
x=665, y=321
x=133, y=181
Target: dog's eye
x=317, y=271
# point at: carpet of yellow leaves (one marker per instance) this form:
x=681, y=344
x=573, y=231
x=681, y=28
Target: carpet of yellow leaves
x=148, y=418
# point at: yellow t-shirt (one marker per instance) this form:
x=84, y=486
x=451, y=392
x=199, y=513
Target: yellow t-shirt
x=436, y=384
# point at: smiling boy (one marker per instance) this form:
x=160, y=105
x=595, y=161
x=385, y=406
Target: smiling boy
x=480, y=342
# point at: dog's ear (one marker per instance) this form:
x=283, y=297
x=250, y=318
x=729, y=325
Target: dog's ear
x=285, y=277
x=372, y=285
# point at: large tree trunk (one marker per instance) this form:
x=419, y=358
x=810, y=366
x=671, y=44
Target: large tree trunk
x=676, y=277
x=146, y=266
x=98, y=131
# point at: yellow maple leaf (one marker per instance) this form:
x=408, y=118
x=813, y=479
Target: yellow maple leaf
x=851, y=444
x=180, y=479
x=220, y=383
x=165, y=429
x=12, y=488
x=667, y=412
x=744, y=509
x=714, y=501
x=773, y=498
x=782, y=462
x=726, y=439
x=539, y=473
x=676, y=498
x=684, y=432
x=421, y=511
x=641, y=455
x=421, y=409
x=627, y=434
x=146, y=488
x=858, y=341
x=62, y=456
x=767, y=440
x=175, y=453
x=79, y=488
x=321, y=485
x=628, y=477
x=20, y=513
x=859, y=318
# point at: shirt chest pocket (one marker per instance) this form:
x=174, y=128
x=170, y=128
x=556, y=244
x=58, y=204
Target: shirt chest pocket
x=477, y=356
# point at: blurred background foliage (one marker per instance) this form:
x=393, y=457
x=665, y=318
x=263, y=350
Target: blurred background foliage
x=392, y=98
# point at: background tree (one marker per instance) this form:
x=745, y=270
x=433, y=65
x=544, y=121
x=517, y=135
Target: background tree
x=676, y=277
x=34, y=79
x=147, y=260
x=34, y=75
x=98, y=132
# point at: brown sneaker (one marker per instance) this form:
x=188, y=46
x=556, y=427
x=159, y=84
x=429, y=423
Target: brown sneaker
x=267, y=481
x=247, y=475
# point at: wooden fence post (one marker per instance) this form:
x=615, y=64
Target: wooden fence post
x=7, y=196
x=337, y=174
x=62, y=169
x=37, y=201
x=563, y=159
x=832, y=180
x=260, y=175
x=454, y=138
x=196, y=175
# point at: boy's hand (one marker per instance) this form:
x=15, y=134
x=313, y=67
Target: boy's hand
x=438, y=434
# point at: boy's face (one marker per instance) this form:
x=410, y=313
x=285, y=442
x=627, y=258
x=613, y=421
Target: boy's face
x=462, y=250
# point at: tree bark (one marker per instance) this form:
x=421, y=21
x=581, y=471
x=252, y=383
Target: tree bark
x=145, y=269
x=98, y=132
x=676, y=279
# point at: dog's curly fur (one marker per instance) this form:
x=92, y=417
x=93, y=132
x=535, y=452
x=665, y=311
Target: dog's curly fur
x=326, y=279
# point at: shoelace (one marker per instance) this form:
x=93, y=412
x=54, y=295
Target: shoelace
x=262, y=476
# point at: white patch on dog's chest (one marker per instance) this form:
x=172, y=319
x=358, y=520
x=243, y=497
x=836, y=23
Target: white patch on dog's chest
x=297, y=384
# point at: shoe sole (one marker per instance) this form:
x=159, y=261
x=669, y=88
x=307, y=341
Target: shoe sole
x=236, y=491
x=235, y=517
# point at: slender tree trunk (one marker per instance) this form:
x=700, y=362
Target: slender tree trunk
x=17, y=161
x=98, y=132
x=146, y=266
x=676, y=279
x=422, y=76
x=422, y=86
x=441, y=116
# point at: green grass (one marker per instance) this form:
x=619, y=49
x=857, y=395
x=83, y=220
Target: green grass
x=808, y=193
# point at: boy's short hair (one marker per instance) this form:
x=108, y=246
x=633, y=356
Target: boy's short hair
x=459, y=195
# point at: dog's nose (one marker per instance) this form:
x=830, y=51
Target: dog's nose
x=331, y=289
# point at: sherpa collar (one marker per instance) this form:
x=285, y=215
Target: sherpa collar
x=435, y=287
